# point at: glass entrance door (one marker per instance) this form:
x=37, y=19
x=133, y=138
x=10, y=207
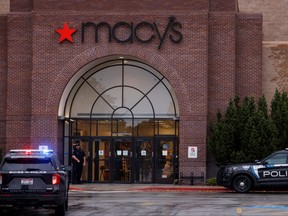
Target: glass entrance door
x=165, y=158
x=122, y=159
x=143, y=169
x=86, y=147
x=101, y=160
x=127, y=160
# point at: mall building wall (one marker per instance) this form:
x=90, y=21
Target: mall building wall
x=4, y=6
x=220, y=57
x=275, y=42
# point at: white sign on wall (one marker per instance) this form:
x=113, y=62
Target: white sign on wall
x=143, y=152
x=192, y=151
x=164, y=152
x=125, y=152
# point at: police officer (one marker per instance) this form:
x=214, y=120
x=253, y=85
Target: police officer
x=78, y=158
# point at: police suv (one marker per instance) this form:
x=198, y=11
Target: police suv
x=34, y=178
x=270, y=172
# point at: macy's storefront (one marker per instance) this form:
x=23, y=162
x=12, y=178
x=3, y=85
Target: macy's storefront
x=137, y=88
x=125, y=114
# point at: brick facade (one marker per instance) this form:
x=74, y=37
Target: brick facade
x=213, y=63
x=275, y=43
x=3, y=79
x=4, y=6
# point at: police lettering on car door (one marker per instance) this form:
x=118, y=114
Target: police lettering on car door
x=272, y=171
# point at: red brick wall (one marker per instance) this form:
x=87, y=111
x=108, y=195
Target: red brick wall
x=184, y=65
x=21, y=5
x=249, y=55
x=223, y=5
x=222, y=61
x=18, y=113
x=121, y=5
x=3, y=79
x=203, y=69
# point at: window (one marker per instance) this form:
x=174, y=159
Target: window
x=28, y=164
x=112, y=87
x=277, y=159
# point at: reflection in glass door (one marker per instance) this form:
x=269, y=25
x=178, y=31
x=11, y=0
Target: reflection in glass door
x=143, y=160
x=122, y=156
x=164, y=161
x=101, y=160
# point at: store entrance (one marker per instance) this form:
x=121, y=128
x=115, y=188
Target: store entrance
x=129, y=160
x=166, y=159
x=144, y=160
x=126, y=115
x=121, y=160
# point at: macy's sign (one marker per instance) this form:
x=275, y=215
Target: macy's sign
x=124, y=32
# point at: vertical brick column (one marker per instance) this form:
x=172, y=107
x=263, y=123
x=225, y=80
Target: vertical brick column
x=19, y=81
x=193, y=105
x=222, y=61
x=3, y=79
x=249, y=55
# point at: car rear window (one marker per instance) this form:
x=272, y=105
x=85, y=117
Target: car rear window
x=28, y=164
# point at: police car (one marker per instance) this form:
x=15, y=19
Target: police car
x=34, y=178
x=270, y=172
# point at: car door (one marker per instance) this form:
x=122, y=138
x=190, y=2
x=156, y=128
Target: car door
x=274, y=169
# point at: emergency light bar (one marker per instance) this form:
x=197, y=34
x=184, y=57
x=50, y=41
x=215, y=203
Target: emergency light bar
x=29, y=152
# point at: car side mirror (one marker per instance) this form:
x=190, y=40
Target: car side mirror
x=256, y=161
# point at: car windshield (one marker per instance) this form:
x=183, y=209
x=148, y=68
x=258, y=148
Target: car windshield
x=28, y=164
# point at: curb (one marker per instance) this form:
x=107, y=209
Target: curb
x=185, y=189
x=78, y=189
x=155, y=189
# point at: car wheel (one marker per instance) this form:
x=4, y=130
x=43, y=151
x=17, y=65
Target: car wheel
x=66, y=203
x=242, y=184
x=60, y=210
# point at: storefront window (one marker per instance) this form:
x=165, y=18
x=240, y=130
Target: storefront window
x=122, y=83
x=144, y=127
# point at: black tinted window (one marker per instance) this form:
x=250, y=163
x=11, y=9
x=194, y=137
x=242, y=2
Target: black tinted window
x=28, y=164
x=277, y=159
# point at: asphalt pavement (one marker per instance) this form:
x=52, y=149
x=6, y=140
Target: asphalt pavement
x=145, y=187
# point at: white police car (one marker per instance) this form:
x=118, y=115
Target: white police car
x=270, y=172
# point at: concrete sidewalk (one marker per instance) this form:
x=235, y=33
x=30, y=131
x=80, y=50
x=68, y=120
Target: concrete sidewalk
x=145, y=187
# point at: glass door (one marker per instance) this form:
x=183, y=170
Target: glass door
x=101, y=160
x=165, y=150
x=84, y=145
x=143, y=160
x=122, y=159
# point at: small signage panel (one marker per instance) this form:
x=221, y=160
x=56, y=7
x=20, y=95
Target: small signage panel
x=192, y=151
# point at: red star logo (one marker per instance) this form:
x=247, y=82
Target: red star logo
x=66, y=33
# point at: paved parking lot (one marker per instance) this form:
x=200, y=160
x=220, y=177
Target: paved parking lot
x=165, y=200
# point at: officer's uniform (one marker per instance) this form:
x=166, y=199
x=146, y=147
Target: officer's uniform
x=78, y=167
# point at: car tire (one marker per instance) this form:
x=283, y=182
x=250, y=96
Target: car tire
x=66, y=203
x=61, y=209
x=242, y=184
